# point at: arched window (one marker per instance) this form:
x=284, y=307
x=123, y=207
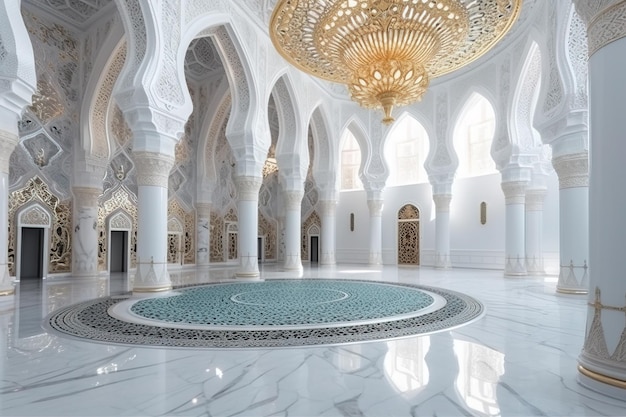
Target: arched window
x=406, y=149
x=473, y=135
x=350, y=162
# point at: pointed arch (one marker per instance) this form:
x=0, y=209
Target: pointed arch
x=291, y=149
x=216, y=115
x=97, y=99
x=406, y=148
x=523, y=135
x=241, y=81
x=353, y=132
x=475, y=125
x=324, y=162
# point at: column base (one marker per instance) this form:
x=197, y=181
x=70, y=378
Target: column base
x=570, y=283
x=514, y=267
x=293, y=263
x=328, y=259
x=376, y=259
x=603, y=384
x=443, y=261
x=152, y=277
x=573, y=291
x=248, y=268
x=6, y=284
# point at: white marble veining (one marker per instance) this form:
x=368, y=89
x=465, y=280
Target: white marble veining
x=520, y=359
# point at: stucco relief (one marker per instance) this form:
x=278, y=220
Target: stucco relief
x=118, y=199
x=60, y=243
x=99, y=139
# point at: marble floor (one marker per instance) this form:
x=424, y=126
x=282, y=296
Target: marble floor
x=518, y=360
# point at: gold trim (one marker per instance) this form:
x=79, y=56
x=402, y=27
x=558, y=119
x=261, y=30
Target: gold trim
x=7, y=292
x=149, y=290
x=575, y=292
x=602, y=378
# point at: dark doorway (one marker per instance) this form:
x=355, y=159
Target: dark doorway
x=31, y=261
x=259, y=249
x=315, y=249
x=119, y=251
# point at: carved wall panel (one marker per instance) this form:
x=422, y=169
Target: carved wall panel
x=60, y=243
x=119, y=200
x=188, y=218
x=408, y=235
x=216, y=246
x=267, y=228
x=312, y=220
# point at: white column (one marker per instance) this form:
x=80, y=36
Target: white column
x=203, y=233
x=602, y=363
x=248, y=216
x=442, y=230
x=328, y=231
x=152, y=179
x=514, y=193
x=293, y=223
x=85, y=236
x=8, y=141
x=573, y=172
x=376, y=232
x=534, y=231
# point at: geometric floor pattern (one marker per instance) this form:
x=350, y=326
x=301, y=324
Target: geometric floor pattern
x=271, y=313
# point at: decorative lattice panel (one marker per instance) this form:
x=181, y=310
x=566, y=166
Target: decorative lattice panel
x=60, y=254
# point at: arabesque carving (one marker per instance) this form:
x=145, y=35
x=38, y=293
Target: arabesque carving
x=60, y=244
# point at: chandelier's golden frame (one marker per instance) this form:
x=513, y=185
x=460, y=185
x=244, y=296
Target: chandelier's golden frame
x=386, y=51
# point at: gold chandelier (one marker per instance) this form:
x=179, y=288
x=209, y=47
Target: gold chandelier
x=387, y=51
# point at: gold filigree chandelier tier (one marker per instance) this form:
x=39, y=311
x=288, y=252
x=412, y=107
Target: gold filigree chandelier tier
x=386, y=51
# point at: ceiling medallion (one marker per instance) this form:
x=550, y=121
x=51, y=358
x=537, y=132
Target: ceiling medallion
x=387, y=51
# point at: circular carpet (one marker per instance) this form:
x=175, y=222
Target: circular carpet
x=274, y=313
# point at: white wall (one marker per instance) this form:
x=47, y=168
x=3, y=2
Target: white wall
x=472, y=244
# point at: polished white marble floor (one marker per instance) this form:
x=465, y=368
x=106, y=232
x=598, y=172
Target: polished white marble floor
x=519, y=360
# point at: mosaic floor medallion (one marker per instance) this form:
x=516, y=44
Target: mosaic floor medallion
x=273, y=313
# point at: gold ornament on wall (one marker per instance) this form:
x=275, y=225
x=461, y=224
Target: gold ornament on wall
x=387, y=51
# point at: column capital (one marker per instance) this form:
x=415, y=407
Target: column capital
x=375, y=207
x=328, y=207
x=8, y=142
x=442, y=202
x=203, y=209
x=514, y=192
x=605, y=19
x=248, y=187
x=293, y=199
x=153, y=169
x=534, y=199
x=572, y=169
x=86, y=196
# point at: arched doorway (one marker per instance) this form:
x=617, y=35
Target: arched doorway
x=408, y=235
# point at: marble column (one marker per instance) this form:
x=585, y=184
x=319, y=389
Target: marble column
x=328, y=231
x=203, y=235
x=442, y=230
x=514, y=257
x=8, y=141
x=152, y=179
x=293, y=224
x=85, y=236
x=376, y=232
x=534, y=230
x=573, y=173
x=248, y=215
x=602, y=362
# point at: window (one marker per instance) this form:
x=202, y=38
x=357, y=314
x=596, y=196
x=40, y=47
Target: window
x=473, y=136
x=405, y=152
x=350, y=162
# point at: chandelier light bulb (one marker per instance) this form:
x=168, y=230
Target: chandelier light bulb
x=387, y=51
